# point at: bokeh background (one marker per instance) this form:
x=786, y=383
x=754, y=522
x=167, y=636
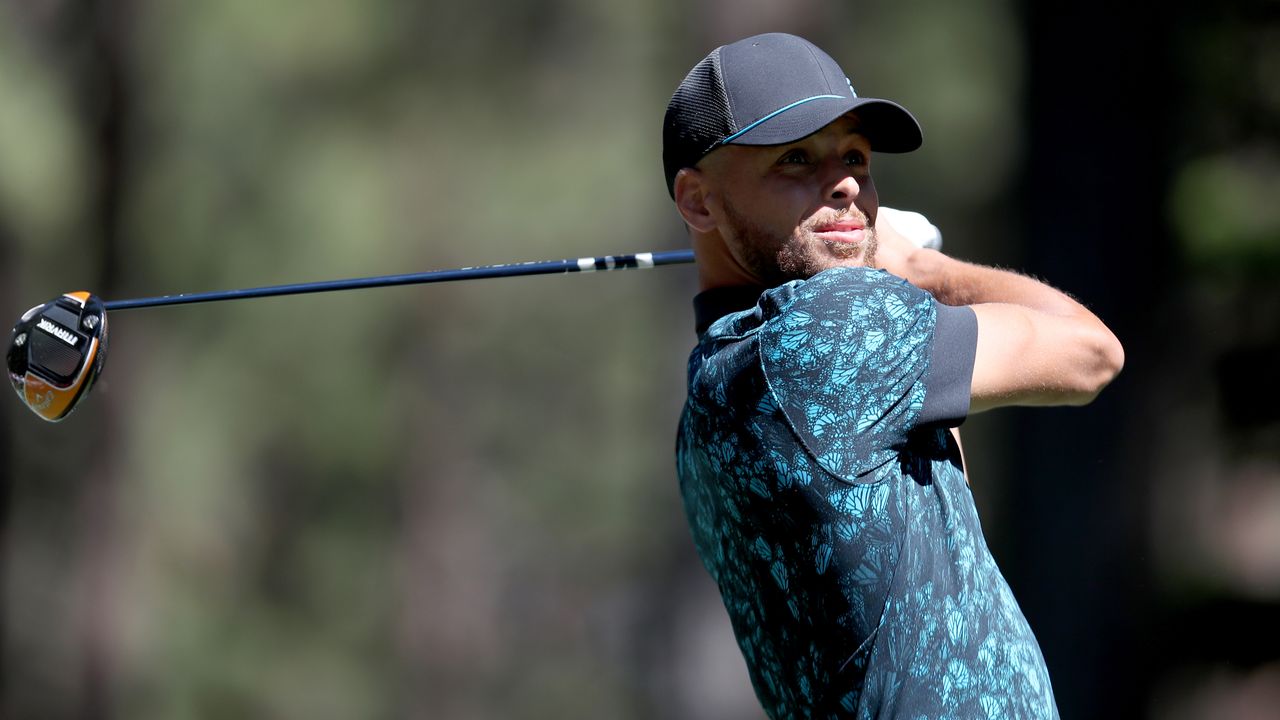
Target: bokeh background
x=459, y=501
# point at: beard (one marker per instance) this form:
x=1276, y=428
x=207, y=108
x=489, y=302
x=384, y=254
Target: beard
x=777, y=258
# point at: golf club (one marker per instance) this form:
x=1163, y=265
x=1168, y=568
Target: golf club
x=57, y=349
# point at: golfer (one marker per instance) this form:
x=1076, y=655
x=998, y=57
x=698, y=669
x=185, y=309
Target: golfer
x=818, y=458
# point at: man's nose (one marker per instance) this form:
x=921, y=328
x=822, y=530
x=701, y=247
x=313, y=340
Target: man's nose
x=841, y=184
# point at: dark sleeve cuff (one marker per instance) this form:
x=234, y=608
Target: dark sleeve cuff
x=950, y=379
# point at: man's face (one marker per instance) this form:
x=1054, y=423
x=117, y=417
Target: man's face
x=791, y=211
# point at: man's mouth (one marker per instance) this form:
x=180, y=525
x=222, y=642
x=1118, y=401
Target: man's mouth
x=851, y=231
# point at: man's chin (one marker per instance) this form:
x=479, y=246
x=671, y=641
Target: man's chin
x=844, y=254
x=795, y=265
x=843, y=250
x=852, y=254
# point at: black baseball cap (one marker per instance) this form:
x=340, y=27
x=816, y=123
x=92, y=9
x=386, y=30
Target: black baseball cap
x=771, y=89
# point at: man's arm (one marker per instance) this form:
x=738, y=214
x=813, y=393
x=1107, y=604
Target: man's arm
x=1036, y=346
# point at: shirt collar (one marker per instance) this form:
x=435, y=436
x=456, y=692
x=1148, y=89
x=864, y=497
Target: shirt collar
x=711, y=305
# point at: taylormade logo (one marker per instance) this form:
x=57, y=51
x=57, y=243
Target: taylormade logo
x=58, y=332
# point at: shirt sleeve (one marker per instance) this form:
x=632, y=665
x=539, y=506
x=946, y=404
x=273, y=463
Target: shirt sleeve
x=950, y=379
x=850, y=362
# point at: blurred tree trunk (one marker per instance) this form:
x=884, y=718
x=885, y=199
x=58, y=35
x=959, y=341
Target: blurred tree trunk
x=7, y=300
x=101, y=79
x=1095, y=183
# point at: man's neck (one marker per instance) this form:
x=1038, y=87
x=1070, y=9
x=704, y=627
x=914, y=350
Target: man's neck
x=717, y=267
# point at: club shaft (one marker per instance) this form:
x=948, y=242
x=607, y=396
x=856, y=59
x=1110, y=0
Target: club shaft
x=545, y=267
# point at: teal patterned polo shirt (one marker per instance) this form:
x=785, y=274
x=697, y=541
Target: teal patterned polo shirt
x=827, y=499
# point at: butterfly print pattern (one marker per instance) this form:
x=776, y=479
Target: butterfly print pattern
x=840, y=529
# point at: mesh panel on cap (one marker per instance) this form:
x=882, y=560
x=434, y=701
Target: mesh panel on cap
x=697, y=119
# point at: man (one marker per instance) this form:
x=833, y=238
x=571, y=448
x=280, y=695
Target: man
x=817, y=455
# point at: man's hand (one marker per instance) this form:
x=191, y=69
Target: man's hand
x=913, y=226
x=900, y=234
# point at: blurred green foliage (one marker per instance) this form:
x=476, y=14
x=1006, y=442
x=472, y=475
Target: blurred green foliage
x=441, y=502
x=1226, y=212
x=1226, y=139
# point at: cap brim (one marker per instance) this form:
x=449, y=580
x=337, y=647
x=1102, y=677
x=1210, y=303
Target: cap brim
x=887, y=125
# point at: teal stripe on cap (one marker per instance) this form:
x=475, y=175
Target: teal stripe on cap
x=779, y=111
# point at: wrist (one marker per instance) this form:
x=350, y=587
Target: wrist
x=925, y=269
x=907, y=245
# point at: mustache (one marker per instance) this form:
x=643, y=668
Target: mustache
x=835, y=216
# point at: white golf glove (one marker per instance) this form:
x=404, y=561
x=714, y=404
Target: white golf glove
x=914, y=227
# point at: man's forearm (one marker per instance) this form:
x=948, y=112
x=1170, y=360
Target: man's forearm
x=1036, y=346
x=955, y=282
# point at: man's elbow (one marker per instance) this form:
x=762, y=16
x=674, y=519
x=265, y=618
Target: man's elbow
x=1105, y=360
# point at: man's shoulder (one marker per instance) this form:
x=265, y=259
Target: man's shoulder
x=845, y=361
x=841, y=305
x=845, y=294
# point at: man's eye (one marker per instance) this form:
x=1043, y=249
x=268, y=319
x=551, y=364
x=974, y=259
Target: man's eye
x=795, y=156
x=855, y=158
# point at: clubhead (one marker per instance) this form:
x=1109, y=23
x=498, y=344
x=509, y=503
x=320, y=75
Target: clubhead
x=56, y=352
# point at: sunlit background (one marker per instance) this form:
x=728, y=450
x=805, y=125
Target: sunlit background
x=459, y=501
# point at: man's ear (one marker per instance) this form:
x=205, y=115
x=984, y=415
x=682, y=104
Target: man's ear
x=691, y=199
